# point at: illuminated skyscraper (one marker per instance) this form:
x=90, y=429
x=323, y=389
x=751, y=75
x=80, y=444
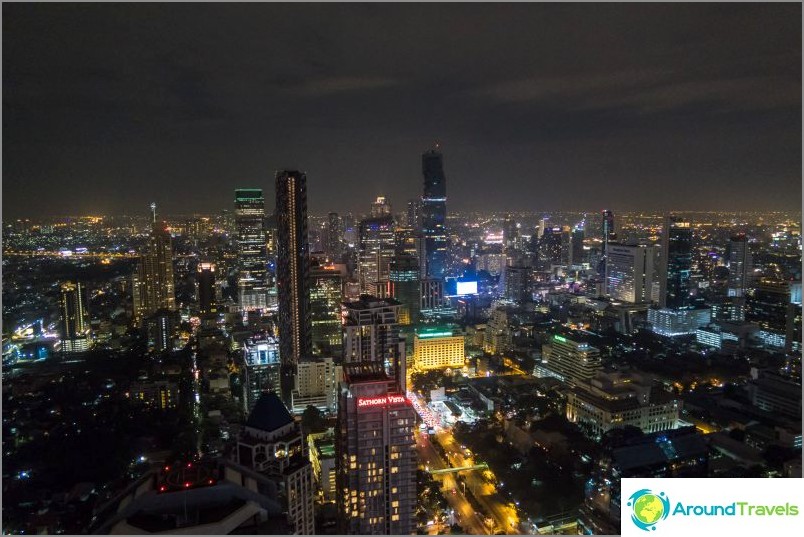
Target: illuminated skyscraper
x=252, y=259
x=326, y=294
x=334, y=237
x=293, y=271
x=414, y=214
x=261, y=371
x=377, y=244
x=381, y=207
x=434, y=214
x=630, y=272
x=577, y=255
x=75, y=328
x=154, y=287
x=375, y=448
x=739, y=259
x=404, y=285
x=207, y=302
x=676, y=263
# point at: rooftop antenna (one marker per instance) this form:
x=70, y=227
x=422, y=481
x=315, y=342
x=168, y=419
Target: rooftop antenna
x=153, y=210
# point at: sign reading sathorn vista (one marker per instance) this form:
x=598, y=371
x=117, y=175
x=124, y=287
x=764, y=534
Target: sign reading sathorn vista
x=673, y=505
x=381, y=401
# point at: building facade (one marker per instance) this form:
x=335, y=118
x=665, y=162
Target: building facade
x=293, y=272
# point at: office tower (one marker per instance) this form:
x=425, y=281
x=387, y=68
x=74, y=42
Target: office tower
x=414, y=216
x=159, y=330
x=207, y=302
x=510, y=234
x=571, y=360
x=676, y=263
x=434, y=214
x=404, y=285
x=377, y=246
x=76, y=335
x=540, y=228
x=317, y=382
x=438, y=348
x=261, y=369
x=630, y=272
x=769, y=305
x=607, y=227
x=566, y=245
x=326, y=294
x=155, y=287
x=293, y=272
x=350, y=231
x=334, y=237
x=432, y=295
x=577, y=255
x=252, y=258
x=375, y=448
x=739, y=262
x=517, y=283
x=272, y=444
x=550, y=246
x=154, y=394
x=380, y=207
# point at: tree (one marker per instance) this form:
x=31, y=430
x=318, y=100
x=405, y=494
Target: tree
x=312, y=421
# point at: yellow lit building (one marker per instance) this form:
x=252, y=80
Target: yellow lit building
x=437, y=348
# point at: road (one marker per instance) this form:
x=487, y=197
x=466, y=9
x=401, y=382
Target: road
x=469, y=520
x=492, y=502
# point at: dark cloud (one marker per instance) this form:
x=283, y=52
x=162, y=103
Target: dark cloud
x=538, y=106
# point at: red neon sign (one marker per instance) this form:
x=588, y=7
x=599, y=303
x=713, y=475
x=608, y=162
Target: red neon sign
x=381, y=401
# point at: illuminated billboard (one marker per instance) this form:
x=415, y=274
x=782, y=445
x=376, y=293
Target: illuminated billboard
x=467, y=288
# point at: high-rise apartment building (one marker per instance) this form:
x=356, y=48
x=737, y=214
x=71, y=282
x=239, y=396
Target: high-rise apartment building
x=739, y=262
x=676, y=263
x=334, y=247
x=317, y=382
x=293, y=272
x=377, y=246
x=207, y=299
x=434, y=214
x=252, y=258
x=75, y=330
x=630, y=272
x=414, y=214
x=375, y=448
x=577, y=254
x=326, y=294
x=154, y=288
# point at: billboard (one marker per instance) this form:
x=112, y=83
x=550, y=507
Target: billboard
x=467, y=288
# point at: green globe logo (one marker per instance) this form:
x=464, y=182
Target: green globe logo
x=648, y=508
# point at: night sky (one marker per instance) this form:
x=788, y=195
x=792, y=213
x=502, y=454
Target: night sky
x=537, y=107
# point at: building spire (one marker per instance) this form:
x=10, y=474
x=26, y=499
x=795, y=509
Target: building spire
x=153, y=211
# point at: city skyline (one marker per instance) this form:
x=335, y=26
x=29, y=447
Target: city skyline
x=677, y=99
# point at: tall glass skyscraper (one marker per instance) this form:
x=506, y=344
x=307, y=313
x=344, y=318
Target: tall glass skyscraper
x=293, y=271
x=252, y=258
x=676, y=263
x=434, y=214
x=75, y=328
